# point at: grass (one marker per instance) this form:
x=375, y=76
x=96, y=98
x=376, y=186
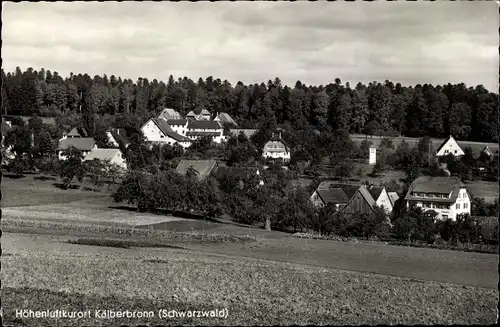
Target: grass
x=255, y=292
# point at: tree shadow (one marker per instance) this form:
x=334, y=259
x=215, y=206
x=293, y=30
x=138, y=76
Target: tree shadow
x=63, y=187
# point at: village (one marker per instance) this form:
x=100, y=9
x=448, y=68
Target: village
x=440, y=197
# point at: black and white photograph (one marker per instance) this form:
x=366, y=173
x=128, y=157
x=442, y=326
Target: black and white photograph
x=249, y=163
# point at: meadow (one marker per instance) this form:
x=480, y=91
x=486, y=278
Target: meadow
x=41, y=275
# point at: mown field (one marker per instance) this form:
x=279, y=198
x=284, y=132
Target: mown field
x=41, y=272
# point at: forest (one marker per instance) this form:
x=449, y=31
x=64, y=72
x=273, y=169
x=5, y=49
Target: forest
x=467, y=113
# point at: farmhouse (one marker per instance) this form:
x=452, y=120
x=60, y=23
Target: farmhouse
x=224, y=118
x=112, y=156
x=449, y=146
x=158, y=131
x=168, y=113
x=490, y=151
x=441, y=197
x=382, y=198
x=276, y=148
x=84, y=144
x=200, y=128
x=203, y=168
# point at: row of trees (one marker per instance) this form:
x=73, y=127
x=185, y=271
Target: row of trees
x=377, y=108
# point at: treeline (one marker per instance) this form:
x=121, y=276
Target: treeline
x=377, y=108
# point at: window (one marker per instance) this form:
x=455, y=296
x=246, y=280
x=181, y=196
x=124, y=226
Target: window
x=455, y=151
x=465, y=195
x=446, y=151
x=458, y=205
x=466, y=205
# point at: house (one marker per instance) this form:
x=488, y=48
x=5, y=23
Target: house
x=113, y=156
x=84, y=144
x=178, y=125
x=348, y=199
x=202, y=167
x=382, y=198
x=490, y=151
x=199, y=128
x=77, y=132
x=191, y=115
x=449, y=146
x=204, y=115
x=276, y=148
x=224, y=118
x=441, y=197
x=158, y=131
x=168, y=113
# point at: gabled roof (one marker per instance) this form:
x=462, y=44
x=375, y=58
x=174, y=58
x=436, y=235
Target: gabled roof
x=367, y=196
x=78, y=131
x=102, y=154
x=162, y=125
x=205, y=112
x=81, y=143
x=168, y=131
x=375, y=191
x=203, y=167
x=279, y=139
x=445, y=142
x=226, y=118
x=443, y=185
x=333, y=195
x=170, y=114
x=203, y=124
x=191, y=114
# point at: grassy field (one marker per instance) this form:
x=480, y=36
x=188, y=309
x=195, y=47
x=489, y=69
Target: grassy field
x=39, y=275
x=476, y=147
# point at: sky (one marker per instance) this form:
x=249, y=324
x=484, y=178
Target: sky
x=314, y=42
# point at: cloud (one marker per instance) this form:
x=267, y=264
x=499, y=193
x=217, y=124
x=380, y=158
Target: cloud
x=412, y=43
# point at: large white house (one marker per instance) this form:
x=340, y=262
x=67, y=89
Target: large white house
x=449, y=146
x=158, y=131
x=112, y=156
x=199, y=128
x=440, y=197
x=276, y=148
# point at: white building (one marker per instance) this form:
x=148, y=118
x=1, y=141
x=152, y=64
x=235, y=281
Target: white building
x=440, y=197
x=276, y=148
x=158, y=131
x=113, y=156
x=449, y=146
x=382, y=198
x=200, y=128
x=372, y=156
x=178, y=125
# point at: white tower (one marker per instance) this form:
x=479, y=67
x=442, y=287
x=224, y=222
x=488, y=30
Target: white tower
x=372, y=159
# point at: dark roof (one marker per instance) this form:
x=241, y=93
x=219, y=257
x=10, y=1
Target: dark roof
x=178, y=137
x=162, y=125
x=181, y=122
x=375, y=191
x=203, y=167
x=349, y=189
x=279, y=139
x=81, y=143
x=431, y=212
x=203, y=124
x=333, y=195
x=78, y=131
x=202, y=133
x=443, y=185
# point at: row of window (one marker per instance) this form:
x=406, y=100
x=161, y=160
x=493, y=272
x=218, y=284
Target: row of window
x=448, y=151
x=465, y=206
x=431, y=195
